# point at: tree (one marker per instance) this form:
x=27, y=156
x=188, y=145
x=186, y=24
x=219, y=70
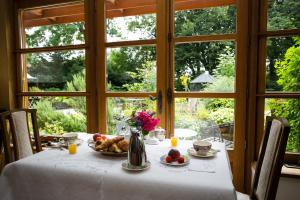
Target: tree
x=289, y=79
x=283, y=15
x=54, y=69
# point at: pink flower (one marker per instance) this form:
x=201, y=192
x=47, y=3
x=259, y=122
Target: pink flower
x=148, y=123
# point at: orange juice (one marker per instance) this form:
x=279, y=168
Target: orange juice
x=174, y=141
x=72, y=148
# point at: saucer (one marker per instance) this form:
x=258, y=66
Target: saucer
x=211, y=153
x=128, y=167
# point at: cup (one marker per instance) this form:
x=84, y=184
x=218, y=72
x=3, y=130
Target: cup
x=202, y=147
x=72, y=148
x=68, y=138
x=160, y=134
x=174, y=141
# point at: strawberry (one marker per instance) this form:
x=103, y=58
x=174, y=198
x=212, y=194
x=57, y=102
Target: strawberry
x=174, y=153
x=180, y=159
x=96, y=135
x=169, y=159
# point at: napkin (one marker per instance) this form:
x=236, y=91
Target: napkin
x=203, y=166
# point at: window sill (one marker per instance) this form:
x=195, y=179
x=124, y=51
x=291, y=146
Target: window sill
x=290, y=172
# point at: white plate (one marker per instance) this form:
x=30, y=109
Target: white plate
x=91, y=144
x=175, y=163
x=191, y=151
x=126, y=166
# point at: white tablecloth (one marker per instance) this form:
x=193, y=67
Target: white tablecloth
x=55, y=175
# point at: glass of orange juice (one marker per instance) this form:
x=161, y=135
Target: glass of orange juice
x=174, y=141
x=72, y=148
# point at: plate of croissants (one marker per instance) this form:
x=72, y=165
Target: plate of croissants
x=116, y=146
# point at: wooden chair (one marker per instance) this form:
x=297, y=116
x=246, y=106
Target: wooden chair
x=15, y=131
x=270, y=161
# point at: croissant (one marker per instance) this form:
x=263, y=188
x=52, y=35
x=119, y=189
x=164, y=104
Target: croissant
x=123, y=144
x=107, y=143
x=114, y=148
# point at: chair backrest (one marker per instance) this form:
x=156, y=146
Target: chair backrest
x=20, y=136
x=270, y=161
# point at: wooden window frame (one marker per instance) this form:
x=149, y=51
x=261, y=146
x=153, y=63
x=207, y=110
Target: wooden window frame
x=95, y=47
x=256, y=82
x=20, y=49
x=261, y=94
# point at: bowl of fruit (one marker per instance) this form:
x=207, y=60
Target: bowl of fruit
x=174, y=158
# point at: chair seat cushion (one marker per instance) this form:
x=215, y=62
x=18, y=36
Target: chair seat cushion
x=241, y=196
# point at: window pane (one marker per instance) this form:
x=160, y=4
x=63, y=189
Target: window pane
x=57, y=115
x=283, y=14
x=290, y=110
x=208, y=21
x=54, y=71
x=206, y=66
x=205, y=118
x=131, y=28
x=283, y=64
x=53, y=26
x=131, y=69
x=120, y=109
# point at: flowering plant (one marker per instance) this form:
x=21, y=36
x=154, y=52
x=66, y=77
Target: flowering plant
x=143, y=121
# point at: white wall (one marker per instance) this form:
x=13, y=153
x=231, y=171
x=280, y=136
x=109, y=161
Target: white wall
x=288, y=189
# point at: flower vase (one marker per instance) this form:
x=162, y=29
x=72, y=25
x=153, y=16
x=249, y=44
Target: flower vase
x=136, y=153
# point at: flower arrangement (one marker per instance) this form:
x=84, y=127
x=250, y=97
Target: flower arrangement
x=143, y=121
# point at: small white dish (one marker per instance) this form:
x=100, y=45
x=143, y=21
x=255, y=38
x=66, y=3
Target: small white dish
x=128, y=167
x=175, y=163
x=211, y=153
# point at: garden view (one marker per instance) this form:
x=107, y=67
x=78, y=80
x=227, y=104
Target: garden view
x=205, y=66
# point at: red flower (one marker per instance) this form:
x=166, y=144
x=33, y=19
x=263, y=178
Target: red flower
x=148, y=123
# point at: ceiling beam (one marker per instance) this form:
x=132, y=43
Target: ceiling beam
x=115, y=8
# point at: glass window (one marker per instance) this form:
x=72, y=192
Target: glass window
x=54, y=71
x=208, y=21
x=205, y=66
x=283, y=64
x=120, y=109
x=56, y=115
x=53, y=26
x=131, y=28
x=205, y=118
x=131, y=69
x=290, y=110
x=283, y=14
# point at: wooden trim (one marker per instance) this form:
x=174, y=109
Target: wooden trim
x=52, y=49
x=51, y=94
x=241, y=96
x=53, y=12
x=162, y=61
x=280, y=33
x=204, y=95
x=25, y=4
x=90, y=60
x=18, y=27
x=101, y=65
x=261, y=67
x=292, y=157
x=130, y=43
x=171, y=67
x=130, y=94
x=205, y=38
x=279, y=95
x=251, y=98
x=54, y=20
